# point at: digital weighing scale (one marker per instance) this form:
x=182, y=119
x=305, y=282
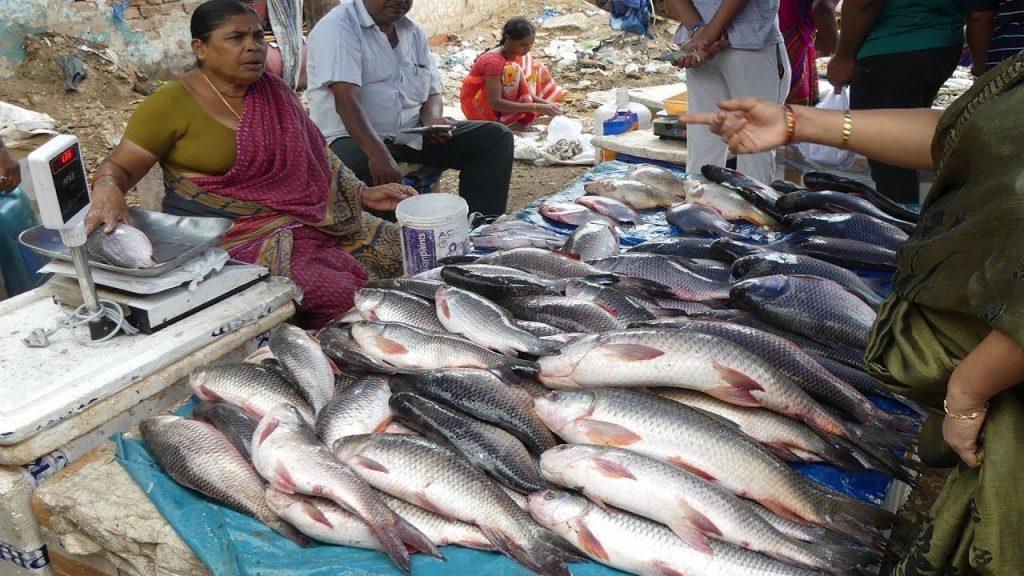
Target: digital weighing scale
x=149, y=299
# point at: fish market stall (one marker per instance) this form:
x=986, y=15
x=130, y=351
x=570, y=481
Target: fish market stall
x=693, y=368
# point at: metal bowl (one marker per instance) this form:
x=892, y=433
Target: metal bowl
x=176, y=240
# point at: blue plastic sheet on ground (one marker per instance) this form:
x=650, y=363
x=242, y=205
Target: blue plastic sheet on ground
x=233, y=544
x=230, y=543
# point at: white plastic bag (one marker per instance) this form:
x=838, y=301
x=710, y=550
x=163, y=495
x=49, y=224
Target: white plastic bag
x=564, y=134
x=828, y=155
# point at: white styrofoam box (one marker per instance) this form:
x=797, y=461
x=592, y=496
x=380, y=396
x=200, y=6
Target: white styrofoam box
x=43, y=386
x=22, y=551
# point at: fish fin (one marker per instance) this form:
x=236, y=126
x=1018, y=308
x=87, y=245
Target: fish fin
x=475, y=544
x=783, y=452
x=369, y=464
x=739, y=387
x=612, y=469
x=537, y=555
x=691, y=536
x=209, y=395
x=591, y=545
x=782, y=510
x=391, y=543
x=413, y=538
x=699, y=521
x=596, y=500
x=680, y=463
x=442, y=307
x=389, y=346
x=610, y=434
x=426, y=503
x=382, y=425
x=290, y=532
x=268, y=430
x=629, y=352
x=316, y=515
x=664, y=569
x=283, y=480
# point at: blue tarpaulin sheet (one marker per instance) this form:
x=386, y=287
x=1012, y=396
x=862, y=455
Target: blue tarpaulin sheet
x=231, y=543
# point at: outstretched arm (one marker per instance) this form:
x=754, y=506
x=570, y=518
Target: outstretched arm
x=898, y=137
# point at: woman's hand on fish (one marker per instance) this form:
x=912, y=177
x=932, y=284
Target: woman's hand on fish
x=108, y=209
x=747, y=125
x=387, y=196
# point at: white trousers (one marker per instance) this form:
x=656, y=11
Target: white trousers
x=734, y=73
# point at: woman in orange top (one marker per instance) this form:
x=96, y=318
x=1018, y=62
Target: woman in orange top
x=507, y=85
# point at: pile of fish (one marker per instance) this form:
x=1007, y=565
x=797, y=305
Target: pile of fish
x=559, y=399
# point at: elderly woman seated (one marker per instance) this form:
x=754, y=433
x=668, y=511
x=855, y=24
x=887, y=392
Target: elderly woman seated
x=236, y=143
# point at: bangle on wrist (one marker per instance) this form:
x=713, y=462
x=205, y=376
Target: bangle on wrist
x=974, y=415
x=790, y=122
x=847, y=127
x=696, y=26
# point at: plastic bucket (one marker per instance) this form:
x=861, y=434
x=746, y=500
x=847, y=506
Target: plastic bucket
x=433, y=226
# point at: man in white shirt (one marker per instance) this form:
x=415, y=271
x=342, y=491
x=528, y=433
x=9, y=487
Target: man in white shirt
x=372, y=78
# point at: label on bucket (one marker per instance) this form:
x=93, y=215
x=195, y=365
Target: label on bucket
x=422, y=247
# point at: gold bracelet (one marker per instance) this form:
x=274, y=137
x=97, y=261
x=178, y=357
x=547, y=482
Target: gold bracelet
x=847, y=126
x=790, y=123
x=963, y=415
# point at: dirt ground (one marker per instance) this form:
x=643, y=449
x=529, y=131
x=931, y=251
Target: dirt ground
x=98, y=110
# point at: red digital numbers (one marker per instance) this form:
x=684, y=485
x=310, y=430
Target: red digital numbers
x=65, y=158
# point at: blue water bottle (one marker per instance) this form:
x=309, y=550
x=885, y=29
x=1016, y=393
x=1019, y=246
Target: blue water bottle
x=18, y=264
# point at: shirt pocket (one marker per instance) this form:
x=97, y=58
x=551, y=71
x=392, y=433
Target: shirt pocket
x=415, y=82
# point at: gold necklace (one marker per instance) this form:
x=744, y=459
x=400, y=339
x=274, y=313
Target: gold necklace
x=221, y=96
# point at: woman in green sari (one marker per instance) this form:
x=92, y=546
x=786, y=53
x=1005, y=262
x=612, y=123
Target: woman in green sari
x=952, y=334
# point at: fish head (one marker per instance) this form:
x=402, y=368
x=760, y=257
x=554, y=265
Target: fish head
x=560, y=408
x=369, y=298
x=349, y=446
x=597, y=187
x=555, y=507
x=564, y=456
x=556, y=370
x=154, y=424
x=763, y=289
x=281, y=417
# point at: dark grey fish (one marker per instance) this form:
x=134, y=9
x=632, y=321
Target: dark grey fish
x=830, y=201
x=840, y=251
x=233, y=423
x=694, y=219
x=785, y=186
x=758, y=194
x=496, y=286
x=487, y=447
x=681, y=281
x=849, y=225
x=814, y=307
x=418, y=286
x=826, y=181
x=616, y=302
x=569, y=314
x=485, y=396
x=539, y=328
x=863, y=382
x=540, y=262
x=337, y=342
x=728, y=251
x=685, y=247
x=771, y=263
x=199, y=457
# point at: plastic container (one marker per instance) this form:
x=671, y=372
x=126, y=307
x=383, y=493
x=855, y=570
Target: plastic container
x=619, y=118
x=433, y=226
x=18, y=264
x=676, y=105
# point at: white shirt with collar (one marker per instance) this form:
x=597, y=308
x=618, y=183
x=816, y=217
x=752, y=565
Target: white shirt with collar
x=346, y=45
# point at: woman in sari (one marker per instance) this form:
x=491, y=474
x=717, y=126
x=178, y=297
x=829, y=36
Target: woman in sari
x=951, y=335
x=506, y=84
x=236, y=143
x=808, y=29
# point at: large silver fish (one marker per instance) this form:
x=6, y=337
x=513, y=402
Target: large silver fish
x=611, y=208
x=396, y=306
x=253, y=388
x=706, y=446
x=693, y=219
x=485, y=323
x=361, y=408
x=408, y=347
x=428, y=475
x=288, y=454
x=684, y=283
x=640, y=546
x=571, y=213
x=591, y=241
x=692, y=507
x=658, y=177
x=771, y=263
x=569, y=314
x=636, y=194
x=125, y=247
x=305, y=364
x=540, y=263
x=199, y=457
x=726, y=202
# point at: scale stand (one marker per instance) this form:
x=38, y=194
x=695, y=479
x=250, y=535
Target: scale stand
x=59, y=182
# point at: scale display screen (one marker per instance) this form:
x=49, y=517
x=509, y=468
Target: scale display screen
x=69, y=181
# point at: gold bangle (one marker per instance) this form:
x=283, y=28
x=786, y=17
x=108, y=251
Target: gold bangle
x=964, y=415
x=847, y=126
x=790, y=123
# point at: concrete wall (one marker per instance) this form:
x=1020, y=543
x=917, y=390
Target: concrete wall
x=153, y=34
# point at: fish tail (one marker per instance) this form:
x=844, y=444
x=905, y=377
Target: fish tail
x=398, y=536
x=883, y=437
x=532, y=552
x=844, y=560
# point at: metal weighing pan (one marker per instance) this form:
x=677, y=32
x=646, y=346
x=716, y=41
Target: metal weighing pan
x=176, y=240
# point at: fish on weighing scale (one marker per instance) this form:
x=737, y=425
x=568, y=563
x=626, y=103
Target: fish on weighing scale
x=149, y=297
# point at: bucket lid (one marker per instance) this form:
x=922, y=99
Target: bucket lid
x=431, y=209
